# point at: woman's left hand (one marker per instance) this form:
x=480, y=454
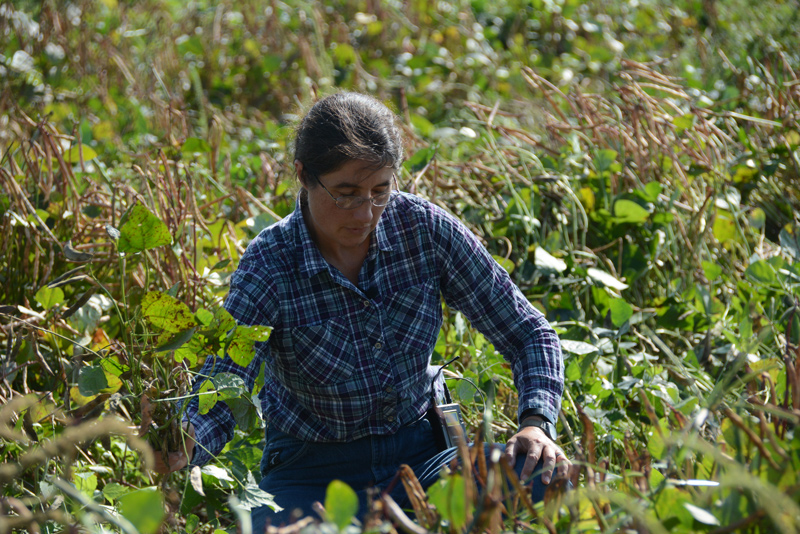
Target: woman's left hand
x=535, y=445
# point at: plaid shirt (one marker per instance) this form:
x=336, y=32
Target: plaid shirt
x=344, y=362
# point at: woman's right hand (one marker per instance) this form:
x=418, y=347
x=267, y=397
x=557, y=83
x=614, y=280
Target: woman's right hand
x=176, y=460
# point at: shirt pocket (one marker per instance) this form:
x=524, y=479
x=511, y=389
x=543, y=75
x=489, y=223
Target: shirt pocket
x=415, y=315
x=324, y=352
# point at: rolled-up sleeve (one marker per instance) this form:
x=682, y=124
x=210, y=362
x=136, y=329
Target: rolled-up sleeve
x=475, y=284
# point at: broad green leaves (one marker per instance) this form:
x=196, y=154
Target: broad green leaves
x=141, y=230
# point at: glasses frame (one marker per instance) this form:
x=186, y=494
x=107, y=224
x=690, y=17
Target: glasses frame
x=351, y=198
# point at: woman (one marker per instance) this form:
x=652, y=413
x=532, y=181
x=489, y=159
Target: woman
x=351, y=283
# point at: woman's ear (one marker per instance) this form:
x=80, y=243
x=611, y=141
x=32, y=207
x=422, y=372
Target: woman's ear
x=298, y=169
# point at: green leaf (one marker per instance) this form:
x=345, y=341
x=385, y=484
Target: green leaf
x=448, y=495
x=254, y=332
x=420, y=159
x=605, y=279
x=48, y=297
x=701, y=515
x=628, y=211
x=724, y=228
x=655, y=444
x=92, y=381
x=547, y=263
x=177, y=342
x=762, y=272
x=167, y=313
x=578, y=347
x=113, y=491
x=207, y=397
x=204, y=316
x=341, y=503
x=422, y=125
x=229, y=386
x=244, y=412
x=621, y=311
x=254, y=497
x=142, y=230
x=144, y=508
x=505, y=263
x=195, y=145
x=652, y=190
x=86, y=483
x=73, y=155
x=604, y=159
x=711, y=270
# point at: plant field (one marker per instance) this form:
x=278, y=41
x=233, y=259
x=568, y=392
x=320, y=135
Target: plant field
x=634, y=165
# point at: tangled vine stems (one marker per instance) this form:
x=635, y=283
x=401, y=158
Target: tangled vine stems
x=63, y=444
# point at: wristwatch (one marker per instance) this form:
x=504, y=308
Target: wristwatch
x=548, y=427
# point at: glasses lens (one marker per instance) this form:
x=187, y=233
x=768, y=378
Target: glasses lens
x=383, y=199
x=349, y=202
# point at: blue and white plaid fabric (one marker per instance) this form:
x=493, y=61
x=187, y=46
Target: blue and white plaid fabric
x=344, y=362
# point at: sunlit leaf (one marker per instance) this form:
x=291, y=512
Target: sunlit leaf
x=711, y=270
x=86, y=483
x=604, y=159
x=142, y=230
x=505, y=263
x=228, y=385
x=621, y=311
x=252, y=496
x=196, y=479
x=628, y=211
x=548, y=263
x=113, y=491
x=605, y=279
x=254, y=332
x=167, y=313
x=577, y=347
x=762, y=272
x=701, y=515
x=724, y=228
x=144, y=508
x=73, y=155
x=48, y=297
x=206, y=397
x=341, y=503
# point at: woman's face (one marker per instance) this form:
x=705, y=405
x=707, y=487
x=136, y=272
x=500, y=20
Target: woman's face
x=338, y=232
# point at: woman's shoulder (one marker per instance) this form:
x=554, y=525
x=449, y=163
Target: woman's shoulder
x=273, y=245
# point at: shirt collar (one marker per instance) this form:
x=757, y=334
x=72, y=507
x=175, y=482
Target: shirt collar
x=310, y=259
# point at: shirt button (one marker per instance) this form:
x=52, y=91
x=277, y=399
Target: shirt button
x=366, y=304
x=390, y=418
x=378, y=345
x=388, y=389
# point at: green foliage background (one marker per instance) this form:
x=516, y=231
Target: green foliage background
x=634, y=165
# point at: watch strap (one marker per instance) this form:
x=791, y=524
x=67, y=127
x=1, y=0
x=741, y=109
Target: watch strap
x=548, y=427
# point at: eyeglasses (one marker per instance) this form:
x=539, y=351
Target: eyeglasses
x=351, y=202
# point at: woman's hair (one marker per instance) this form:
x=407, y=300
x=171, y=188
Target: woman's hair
x=344, y=127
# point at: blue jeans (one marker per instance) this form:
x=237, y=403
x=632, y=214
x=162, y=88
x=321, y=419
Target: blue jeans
x=297, y=473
